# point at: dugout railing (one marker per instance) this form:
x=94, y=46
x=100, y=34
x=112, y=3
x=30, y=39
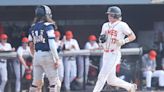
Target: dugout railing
x=12, y=55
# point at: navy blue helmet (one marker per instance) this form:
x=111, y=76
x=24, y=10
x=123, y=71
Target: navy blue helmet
x=43, y=11
x=115, y=11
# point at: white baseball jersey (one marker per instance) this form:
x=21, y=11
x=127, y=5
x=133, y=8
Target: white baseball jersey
x=115, y=31
x=70, y=43
x=58, y=43
x=6, y=47
x=23, y=52
x=88, y=45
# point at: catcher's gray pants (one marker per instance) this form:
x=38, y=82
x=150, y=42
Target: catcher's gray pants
x=44, y=64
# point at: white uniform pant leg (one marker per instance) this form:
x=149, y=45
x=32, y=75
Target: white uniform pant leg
x=109, y=63
x=80, y=64
x=3, y=72
x=67, y=70
x=16, y=65
x=73, y=70
x=61, y=71
x=160, y=74
x=148, y=75
x=115, y=81
x=87, y=62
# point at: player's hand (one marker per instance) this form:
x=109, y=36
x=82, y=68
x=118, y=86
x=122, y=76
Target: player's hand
x=73, y=46
x=57, y=64
x=120, y=42
x=13, y=49
x=26, y=67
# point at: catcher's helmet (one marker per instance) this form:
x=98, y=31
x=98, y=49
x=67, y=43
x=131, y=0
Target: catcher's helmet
x=115, y=11
x=43, y=11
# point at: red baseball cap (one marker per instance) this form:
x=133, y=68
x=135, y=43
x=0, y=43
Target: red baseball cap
x=92, y=38
x=152, y=55
x=69, y=35
x=3, y=36
x=57, y=34
x=25, y=39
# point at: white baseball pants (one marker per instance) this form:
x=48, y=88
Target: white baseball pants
x=150, y=74
x=108, y=72
x=3, y=74
x=70, y=69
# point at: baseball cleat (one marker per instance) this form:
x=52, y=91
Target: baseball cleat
x=133, y=88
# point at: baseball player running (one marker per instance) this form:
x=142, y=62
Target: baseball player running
x=46, y=59
x=70, y=66
x=59, y=45
x=4, y=46
x=114, y=31
x=23, y=53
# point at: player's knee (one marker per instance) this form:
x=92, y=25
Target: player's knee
x=55, y=85
x=36, y=86
x=55, y=81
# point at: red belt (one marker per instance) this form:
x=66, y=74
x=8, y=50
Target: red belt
x=109, y=50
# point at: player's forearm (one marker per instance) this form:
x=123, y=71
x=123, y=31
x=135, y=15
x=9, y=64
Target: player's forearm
x=53, y=48
x=131, y=37
x=22, y=60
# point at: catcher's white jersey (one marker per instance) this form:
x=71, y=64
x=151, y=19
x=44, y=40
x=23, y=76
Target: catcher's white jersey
x=115, y=31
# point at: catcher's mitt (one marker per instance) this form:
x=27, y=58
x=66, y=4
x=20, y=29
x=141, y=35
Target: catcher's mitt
x=103, y=38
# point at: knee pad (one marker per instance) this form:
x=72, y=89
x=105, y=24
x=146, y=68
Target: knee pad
x=36, y=86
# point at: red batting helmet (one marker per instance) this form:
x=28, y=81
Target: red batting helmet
x=25, y=39
x=3, y=36
x=92, y=38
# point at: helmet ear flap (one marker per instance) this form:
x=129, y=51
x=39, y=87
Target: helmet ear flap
x=47, y=11
x=43, y=11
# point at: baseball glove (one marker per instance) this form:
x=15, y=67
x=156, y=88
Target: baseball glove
x=103, y=38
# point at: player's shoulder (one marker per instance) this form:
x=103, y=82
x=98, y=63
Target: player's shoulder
x=74, y=40
x=48, y=24
x=20, y=48
x=8, y=44
x=122, y=23
x=87, y=43
x=105, y=24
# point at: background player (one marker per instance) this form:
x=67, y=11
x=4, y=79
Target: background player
x=59, y=45
x=4, y=46
x=46, y=59
x=91, y=45
x=70, y=66
x=114, y=31
x=149, y=69
x=23, y=53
